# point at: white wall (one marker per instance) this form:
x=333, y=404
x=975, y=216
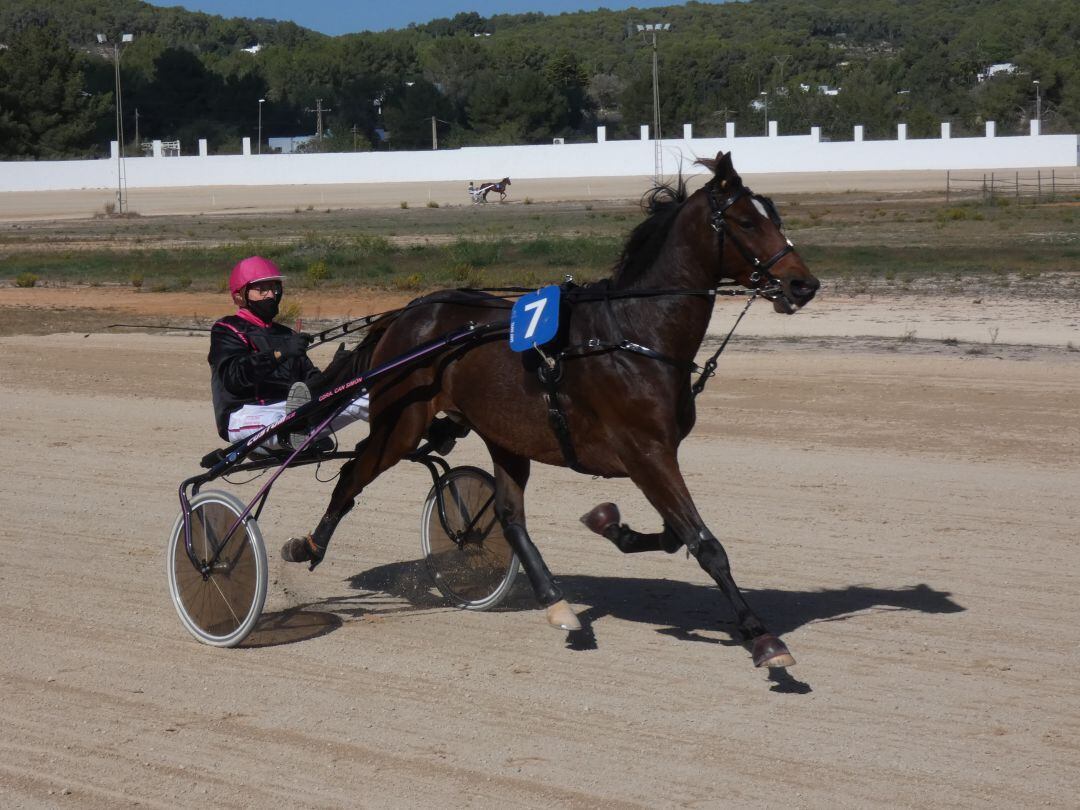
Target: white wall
x=753, y=155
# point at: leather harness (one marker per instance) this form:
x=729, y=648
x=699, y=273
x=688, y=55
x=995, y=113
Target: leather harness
x=766, y=285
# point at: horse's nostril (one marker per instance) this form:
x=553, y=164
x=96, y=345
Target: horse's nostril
x=804, y=289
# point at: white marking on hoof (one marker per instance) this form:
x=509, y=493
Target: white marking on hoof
x=561, y=615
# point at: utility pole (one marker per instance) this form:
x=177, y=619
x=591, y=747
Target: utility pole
x=319, y=110
x=658, y=154
x=434, y=136
x=781, y=61
x=138, y=145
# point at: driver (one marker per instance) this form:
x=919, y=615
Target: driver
x=260, y=369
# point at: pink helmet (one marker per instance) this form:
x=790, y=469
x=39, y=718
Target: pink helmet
x=250, y=270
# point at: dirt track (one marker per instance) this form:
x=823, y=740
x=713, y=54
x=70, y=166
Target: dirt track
x=906, y=519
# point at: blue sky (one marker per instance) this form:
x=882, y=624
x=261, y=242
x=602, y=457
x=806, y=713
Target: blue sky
x=345, y=17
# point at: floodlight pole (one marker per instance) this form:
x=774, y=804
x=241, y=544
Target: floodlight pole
x=121, y=168
x=1038, y=105
x=658, y=152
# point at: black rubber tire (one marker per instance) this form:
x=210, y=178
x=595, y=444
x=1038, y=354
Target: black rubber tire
x=222, y=608
x=478, y=572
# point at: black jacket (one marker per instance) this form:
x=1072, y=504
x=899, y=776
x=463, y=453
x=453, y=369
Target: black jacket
x=244, y=369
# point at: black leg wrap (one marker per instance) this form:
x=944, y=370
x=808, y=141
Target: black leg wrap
x=693, y=545
x=543, y=584
x=629, y=541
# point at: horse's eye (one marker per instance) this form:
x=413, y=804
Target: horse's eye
x=747, y=224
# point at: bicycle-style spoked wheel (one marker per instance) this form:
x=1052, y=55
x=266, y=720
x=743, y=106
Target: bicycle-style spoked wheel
x=221, y=607
x=464, y=548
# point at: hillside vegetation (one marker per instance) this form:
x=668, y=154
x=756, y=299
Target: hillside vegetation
x=529, y=78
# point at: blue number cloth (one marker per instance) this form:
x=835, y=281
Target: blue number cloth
x=534, y=319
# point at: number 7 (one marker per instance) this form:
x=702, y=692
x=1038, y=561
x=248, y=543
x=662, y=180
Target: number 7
x=537, y=305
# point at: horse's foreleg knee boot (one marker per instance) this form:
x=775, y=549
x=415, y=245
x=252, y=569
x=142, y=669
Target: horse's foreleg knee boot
x=543, y=583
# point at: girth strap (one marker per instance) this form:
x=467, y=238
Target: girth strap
x=549, y=377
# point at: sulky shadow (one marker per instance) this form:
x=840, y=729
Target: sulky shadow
x=290, y=626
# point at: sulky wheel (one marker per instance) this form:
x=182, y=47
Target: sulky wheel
x=218, y=607
x=464, y=547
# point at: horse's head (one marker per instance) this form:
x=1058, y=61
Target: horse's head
x=753, y=250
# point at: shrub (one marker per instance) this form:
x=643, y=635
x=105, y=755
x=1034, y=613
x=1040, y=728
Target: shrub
x=432, y=204
x=26, y=280
x=404, y=204
x=137, y=279
x=317, y=272
x=410, y=282
x=289, y=312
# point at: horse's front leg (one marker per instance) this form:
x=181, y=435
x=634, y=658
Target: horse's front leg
x=656, y=473
x=511, y=476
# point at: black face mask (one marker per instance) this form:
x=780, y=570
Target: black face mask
x=265, y=309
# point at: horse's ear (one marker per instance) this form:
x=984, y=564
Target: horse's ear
x=725, y=171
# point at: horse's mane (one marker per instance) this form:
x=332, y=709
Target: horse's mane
x=661, y=203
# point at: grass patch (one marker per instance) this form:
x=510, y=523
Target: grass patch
x=890, y=245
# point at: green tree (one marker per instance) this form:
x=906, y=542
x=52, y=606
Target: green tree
x=45, y=111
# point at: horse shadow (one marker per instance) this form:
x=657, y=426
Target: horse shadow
x=679, y=609
x=685, y=611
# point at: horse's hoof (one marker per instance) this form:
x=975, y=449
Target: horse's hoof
x=601, y=517
x=770, y=651
x=562, y=616
x=302, y=549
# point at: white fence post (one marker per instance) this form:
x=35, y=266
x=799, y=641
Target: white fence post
x=202, y=147
x=601, y=134
x=901, y=132
x=644, y=132
x=729, y=129
x=1035, y=126
x=946, y=130
x=858, y=136
x=687, y=131
x=246, y=146
x=157, y=148
x=774, y=129
x=815, y=134
x=991, y=129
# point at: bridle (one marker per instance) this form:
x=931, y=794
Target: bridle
x=761, y=278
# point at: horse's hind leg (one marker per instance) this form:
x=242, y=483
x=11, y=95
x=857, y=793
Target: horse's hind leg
x=511, y=476
x=393, y=435
x=657, y=474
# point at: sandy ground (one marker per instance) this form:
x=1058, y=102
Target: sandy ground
x=16, y=205
x=904, y=513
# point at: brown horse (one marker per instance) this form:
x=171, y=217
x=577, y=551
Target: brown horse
x=499, y=188
x=626, y=405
